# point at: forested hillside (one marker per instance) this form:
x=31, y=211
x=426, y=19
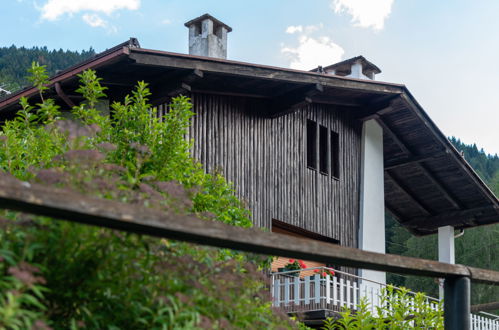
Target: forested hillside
x=478, y=247
x=14, y=61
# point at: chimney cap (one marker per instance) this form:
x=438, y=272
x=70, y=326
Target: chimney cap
x=347, y=64
x=205, y=16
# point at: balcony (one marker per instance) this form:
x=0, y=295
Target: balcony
x=317, y=295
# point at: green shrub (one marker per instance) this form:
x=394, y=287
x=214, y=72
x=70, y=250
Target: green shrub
x=64, y=275
x=397, y=310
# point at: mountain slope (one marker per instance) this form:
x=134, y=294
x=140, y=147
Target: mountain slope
x=14, y=62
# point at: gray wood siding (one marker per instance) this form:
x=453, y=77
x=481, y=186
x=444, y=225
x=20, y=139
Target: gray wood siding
x=266, y=161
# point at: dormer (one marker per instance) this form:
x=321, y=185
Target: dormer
x=355, y=67
x=208, y=36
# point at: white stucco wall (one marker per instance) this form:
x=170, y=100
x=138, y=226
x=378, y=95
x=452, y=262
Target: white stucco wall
x=372, y=197
x=446, y=252
x=209, y=42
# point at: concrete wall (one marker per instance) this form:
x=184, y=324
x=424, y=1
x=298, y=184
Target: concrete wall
x=205, y=41
x=372, y=202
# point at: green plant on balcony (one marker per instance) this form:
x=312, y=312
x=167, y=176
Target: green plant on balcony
x=293, y=264
x=324, y=272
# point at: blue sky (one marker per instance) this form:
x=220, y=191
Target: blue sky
x=445, y=51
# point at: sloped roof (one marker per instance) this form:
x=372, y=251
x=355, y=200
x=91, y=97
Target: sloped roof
x=428, y=183
x=367, y=65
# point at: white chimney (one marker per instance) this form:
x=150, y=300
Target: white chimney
x=356, y=67
x=208, y=36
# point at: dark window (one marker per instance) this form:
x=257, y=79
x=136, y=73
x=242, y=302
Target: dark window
x=323, y=150
x=311, y=144
x=335, y=155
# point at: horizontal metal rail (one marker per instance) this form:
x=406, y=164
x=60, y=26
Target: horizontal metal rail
x=71, y=206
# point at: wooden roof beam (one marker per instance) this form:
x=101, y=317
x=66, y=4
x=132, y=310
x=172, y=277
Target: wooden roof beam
x=443, y=190
x=415, y=160
x=63, y=96
x=408, y=193
x=388, y=130
x=329, y=99
x=408, y=99
x=450, y=197
x=466, y=217
x=394, y=213
x=290, y=101
x=174, y=87
x=377, y=108
x=226, y=67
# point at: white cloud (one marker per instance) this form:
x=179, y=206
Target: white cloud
x=311, y=51
x=294, y=28
x=166, y=21
x=365, y=13
x=53, y=9
x=94, y=20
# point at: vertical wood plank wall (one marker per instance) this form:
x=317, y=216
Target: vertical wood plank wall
x=265, y=159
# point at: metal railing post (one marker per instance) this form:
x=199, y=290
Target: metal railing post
x=457, y=303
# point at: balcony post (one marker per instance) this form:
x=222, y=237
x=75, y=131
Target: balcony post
x=445, y=250
x=457, y=303
x=372, y=200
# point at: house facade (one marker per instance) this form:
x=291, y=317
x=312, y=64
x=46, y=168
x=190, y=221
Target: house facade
x=318, y=154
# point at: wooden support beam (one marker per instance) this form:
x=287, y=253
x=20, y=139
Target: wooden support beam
x=62, y=95
x=451, y=218
x=460, y=161
x=421, y=205
x=394, y=213
x=290, y=101
x=401, y=144
x=440, y=186
x=72, y=206
x=229, y=93
x=377, y=108
x=329, y=99
x=174, y=87
x=414, y=160
x=263, y=72
x=485, y=307
x=388, y=130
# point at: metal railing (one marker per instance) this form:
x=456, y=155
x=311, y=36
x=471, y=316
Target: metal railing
x=308, y=290
x=297, y=291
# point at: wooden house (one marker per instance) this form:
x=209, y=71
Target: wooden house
x=320, y=154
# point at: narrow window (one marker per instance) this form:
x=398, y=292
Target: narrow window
x=335, y=155
x=311, y=144
x=323, y=150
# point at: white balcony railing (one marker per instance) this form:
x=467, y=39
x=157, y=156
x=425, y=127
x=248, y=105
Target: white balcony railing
x=305, y=290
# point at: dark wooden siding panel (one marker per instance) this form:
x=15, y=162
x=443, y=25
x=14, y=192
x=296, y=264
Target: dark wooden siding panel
x=266, y=161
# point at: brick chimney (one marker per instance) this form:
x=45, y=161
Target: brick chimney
x=208, y=36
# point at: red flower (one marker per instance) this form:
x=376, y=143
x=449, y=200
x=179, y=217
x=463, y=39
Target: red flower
x=317, y=271
x=291, y=260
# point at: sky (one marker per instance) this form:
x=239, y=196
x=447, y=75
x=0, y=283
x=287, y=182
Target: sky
x=445, y=52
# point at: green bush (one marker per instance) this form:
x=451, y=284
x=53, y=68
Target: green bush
x=64, y=275
x=397, y=310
